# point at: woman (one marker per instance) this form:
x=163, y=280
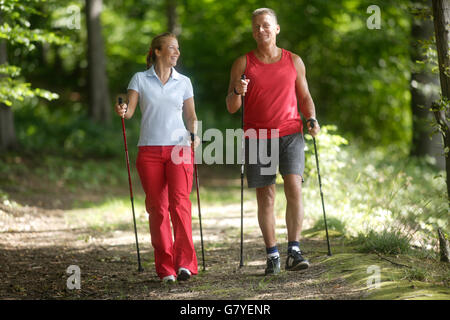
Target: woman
x=165, y=98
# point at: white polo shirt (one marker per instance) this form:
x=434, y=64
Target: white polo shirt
x=162, y=107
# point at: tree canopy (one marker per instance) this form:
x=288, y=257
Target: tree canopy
x=359, y=77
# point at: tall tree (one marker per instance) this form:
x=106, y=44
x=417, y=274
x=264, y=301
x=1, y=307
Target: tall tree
x=441, y=16
x=423, y=88
x=172, y=17
x=99, y=99
x=8, y=138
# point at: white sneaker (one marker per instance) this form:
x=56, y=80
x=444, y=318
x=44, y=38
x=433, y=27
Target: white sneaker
x=183, y=274
x=168, y=279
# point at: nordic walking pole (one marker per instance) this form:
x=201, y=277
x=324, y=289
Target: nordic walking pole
x=241, y=264
x=320, y=186
x=140, y=269
x=198, y=201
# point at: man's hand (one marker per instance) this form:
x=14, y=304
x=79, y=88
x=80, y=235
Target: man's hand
x=241, y=87
x=313, y=127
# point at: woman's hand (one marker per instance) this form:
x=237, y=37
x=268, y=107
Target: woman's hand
x=121, y=109
x=197, y=142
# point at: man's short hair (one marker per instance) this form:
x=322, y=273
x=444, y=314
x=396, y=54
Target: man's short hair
x=268, y=11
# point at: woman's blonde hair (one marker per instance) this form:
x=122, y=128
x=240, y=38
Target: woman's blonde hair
x=157, y=43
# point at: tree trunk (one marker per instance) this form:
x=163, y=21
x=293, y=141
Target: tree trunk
x=424, y=90
x=441, y=16
x=99, y=100
x=444, y=247
x=8, y=138
x=172, y=17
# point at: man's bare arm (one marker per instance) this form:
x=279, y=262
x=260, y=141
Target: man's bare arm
x=306, y=103
x=233, y=100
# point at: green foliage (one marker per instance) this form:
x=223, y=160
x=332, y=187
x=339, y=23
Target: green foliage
x=333, y=223
x=16, y=30
x=442, y=106
x=329, y=146
x=130, y=27
x=56, y=171
x=12, y=89
x=415, y=274
x=23, y=35
x=359, y=78
x=336, y=228
x=386, y=241
x=371, y=189
x=52, y=130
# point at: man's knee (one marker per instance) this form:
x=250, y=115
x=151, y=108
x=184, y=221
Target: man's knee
x=293, y=187
x=266, y=195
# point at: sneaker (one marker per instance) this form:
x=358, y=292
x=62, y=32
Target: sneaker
x=295, y=261
x=169, y=279
x=273, y=266
x=183, y=274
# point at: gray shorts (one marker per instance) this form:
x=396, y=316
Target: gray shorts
x=263, y=156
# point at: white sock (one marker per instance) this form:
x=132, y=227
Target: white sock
x=272, y=255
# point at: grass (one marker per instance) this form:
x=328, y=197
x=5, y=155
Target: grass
x=416, y=273
x=370, y=190
x=336, y=228
x=386, y=241
x=417, y=279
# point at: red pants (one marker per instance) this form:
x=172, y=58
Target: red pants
x=167, y=187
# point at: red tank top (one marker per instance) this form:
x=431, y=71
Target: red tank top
x=271, y=101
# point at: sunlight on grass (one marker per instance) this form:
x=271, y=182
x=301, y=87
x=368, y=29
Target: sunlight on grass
x=419, y=282
x=112, y=214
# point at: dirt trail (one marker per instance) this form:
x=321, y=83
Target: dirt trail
x=44, y=230
x=37, y=246
x=47, y=226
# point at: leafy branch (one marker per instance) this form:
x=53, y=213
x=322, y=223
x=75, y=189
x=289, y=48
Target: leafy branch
x=16, y=30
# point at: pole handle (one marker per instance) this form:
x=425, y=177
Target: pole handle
x=243, y=94
x=312, y=122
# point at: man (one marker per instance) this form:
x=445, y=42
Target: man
x=275, y=82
